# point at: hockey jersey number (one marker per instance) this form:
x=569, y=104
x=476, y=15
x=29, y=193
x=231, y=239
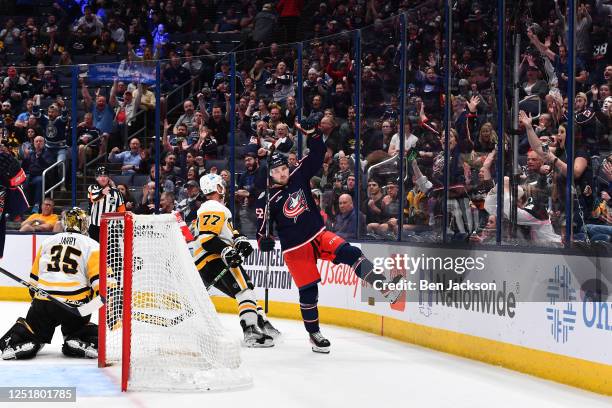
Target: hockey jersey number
x=68, y=256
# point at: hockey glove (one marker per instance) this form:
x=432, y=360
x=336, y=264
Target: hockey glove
x=231, y=257
x=243, y=246
x=266, y=244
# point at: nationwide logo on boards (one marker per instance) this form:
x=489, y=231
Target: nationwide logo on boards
x=501, y=302
x=560, y=310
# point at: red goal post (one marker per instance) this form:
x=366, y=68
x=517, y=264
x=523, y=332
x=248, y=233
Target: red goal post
x=158, y=320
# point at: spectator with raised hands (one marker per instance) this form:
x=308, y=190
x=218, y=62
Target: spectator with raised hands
x=102, y=111
x=55, y=129
x=127, y=109
x=129, y=159
x=556, y=157
x=207, y=144
x=281, y=83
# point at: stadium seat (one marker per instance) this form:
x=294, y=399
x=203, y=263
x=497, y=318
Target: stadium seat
x=140, y=180
x=126, y=179
x=219, y=164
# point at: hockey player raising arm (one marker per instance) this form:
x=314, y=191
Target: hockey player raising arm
x=302, y=234
x=220, y=246
x=66, y=266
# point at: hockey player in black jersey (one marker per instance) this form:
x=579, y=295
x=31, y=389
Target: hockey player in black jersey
x=302, y=234
x=12, y=198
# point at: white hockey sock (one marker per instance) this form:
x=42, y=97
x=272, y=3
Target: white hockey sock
x=247, y=307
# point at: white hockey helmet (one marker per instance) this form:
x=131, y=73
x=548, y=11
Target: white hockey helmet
x=212, y=183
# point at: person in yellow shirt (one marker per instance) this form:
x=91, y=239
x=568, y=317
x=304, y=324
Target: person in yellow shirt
x=41, y=222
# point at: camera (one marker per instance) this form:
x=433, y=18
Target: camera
x=545, y=148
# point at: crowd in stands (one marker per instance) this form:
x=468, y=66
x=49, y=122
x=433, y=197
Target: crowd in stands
x=196, y=122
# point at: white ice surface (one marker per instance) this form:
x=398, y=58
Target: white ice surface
x=363, y=370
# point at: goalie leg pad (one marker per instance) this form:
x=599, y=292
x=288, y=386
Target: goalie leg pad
x=19, y=342
x=82, y=343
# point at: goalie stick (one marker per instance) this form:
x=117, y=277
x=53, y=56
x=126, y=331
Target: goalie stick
x=83, y=310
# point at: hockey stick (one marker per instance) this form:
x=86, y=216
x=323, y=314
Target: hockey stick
x=160, y=320
x=267, y=219
x=82, y=310
x=219, y=276
x=166, y=321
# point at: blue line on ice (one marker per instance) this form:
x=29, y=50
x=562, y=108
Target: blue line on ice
x=89, y=380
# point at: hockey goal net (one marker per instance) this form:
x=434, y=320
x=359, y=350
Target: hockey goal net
x=158, y=321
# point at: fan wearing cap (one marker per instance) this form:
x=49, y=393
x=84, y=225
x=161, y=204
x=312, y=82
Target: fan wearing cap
x=189, y=206
x=291, y=208
x=104, y=198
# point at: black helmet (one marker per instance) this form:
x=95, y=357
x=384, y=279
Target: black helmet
x=277, y=160
x=101, y=171
x=310, y=124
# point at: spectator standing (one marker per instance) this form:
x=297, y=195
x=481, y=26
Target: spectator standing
x=289, y=12
x=264, y=24
x=54, y=125
x=34, y=163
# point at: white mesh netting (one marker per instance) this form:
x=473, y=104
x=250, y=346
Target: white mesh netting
x=177, y=340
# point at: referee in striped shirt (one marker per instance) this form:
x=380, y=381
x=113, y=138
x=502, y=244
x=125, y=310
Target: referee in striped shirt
x=103, y=198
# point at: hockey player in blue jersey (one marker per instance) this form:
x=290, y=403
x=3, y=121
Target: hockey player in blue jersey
x=303, y=237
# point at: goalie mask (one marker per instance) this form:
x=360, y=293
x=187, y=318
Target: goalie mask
x=212, y=183
x=75, y=220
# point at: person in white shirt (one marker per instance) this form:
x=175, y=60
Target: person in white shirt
x=410, y=140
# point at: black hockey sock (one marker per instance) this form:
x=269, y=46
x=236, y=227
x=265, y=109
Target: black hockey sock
x=364, y=269
x=362, y=266
x=309, y=298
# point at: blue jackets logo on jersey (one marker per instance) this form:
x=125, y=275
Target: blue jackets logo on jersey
x=295, y=205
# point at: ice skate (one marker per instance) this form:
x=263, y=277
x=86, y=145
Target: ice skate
x=255, y=338
x=319, y=343
x=266, y=327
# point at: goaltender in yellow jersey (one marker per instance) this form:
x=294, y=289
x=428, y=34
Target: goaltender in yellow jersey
x=66, y=266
